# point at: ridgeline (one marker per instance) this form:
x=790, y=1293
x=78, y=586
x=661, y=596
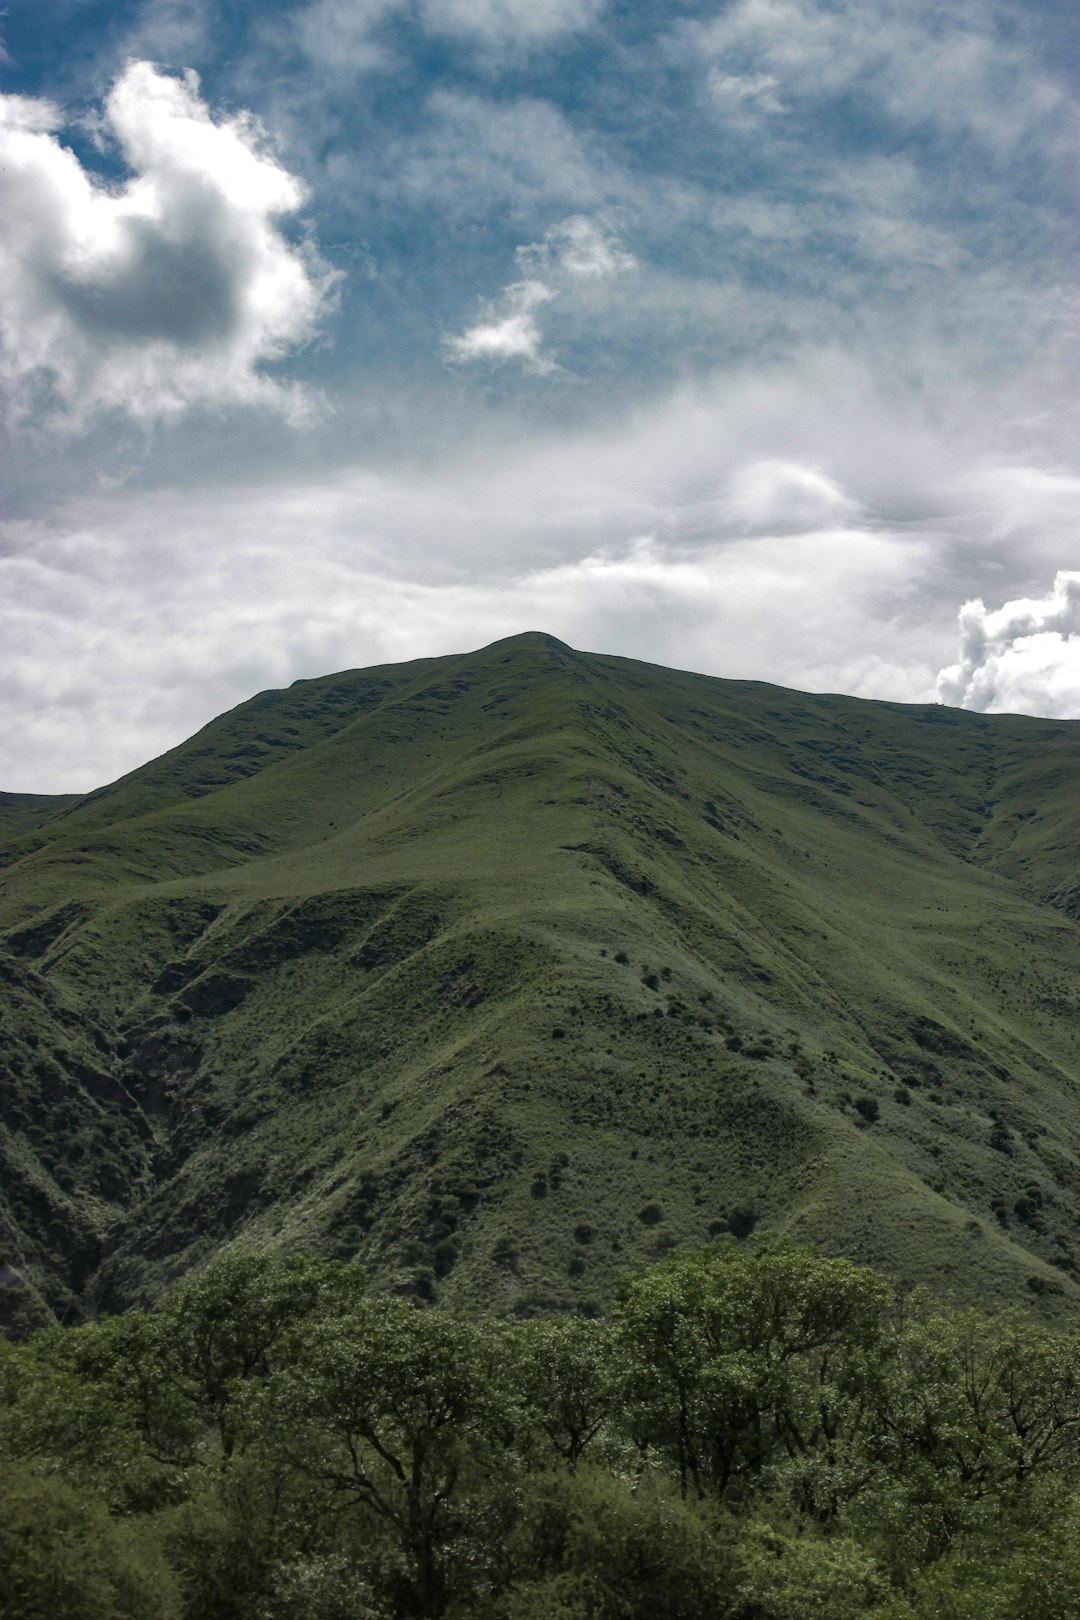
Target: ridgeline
x=503, y=972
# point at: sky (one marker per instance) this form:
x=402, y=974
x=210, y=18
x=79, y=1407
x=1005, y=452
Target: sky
x=739, y=337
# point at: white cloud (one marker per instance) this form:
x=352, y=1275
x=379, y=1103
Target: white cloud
x=173, y=32
x=163, y=292
x=171, y=606
x=780, y=496
x=577, y=246
x=339, y=36
x=473, y=157
x=1032, y=511
x=796, y=240
x=206, y=626
x=577, y=249
x=743, y=98
x=1022, y=657
x=513, y=24
x=954, y=66
x=737, y=527
x=507, y=329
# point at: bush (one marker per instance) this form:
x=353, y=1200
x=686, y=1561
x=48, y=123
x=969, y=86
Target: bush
x=63, y=1558
x=785, y=1577
x=326, y=1588
x=601, y=1550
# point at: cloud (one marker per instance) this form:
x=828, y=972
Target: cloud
x=634, y=537
x=173, y=32
x=1023, y=657
x=744, y=98
x=780, y=496
x=828, y=227
x=339, y=37
x=166, y=291
x=472, y=157
x=807, y=525
x=916, y=63
x=507, y=330
x=510, y=24
x=577, y=246
x=200, y=627
x=832, y=399
x=577, y=249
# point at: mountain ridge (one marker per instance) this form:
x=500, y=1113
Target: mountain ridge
x=343, y=971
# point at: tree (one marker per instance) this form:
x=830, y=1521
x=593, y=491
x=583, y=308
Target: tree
x=741, y=1356
x=974, y=1411
x=224, y=1327
x=406, y=1413
x=564, y=1369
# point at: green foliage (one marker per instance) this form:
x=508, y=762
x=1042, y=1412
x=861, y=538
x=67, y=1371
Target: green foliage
x=294, y=985
x=758, y=1433
x=255, y=1540
x=596, y=1549
x=1031, y=1573
x=402, y=1413
x=320, y=1588
x=973, y=1411
x=223, y=1327
x=103, y=1399
x=806, y=1577
x=293, y=989
x=738, y=1357
x=567, y=1372
x=62, y=1557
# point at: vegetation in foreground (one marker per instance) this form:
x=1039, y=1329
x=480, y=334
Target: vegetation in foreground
x=755, y=1433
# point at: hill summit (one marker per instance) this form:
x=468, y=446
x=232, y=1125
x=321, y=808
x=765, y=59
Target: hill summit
x=503, y=971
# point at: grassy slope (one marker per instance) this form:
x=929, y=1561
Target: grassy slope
x=22, y=813
x=506, y=969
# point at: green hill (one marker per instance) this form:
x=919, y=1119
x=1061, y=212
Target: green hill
x=505, y=970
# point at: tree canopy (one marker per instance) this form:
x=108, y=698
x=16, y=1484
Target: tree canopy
x=757, y=1432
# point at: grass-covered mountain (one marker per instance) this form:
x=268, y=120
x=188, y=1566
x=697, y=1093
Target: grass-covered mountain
x=502, y=971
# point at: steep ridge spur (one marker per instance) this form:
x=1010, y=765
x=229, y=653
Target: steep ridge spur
x=503, y=971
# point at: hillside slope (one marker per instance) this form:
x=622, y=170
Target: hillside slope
x=504, y=970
